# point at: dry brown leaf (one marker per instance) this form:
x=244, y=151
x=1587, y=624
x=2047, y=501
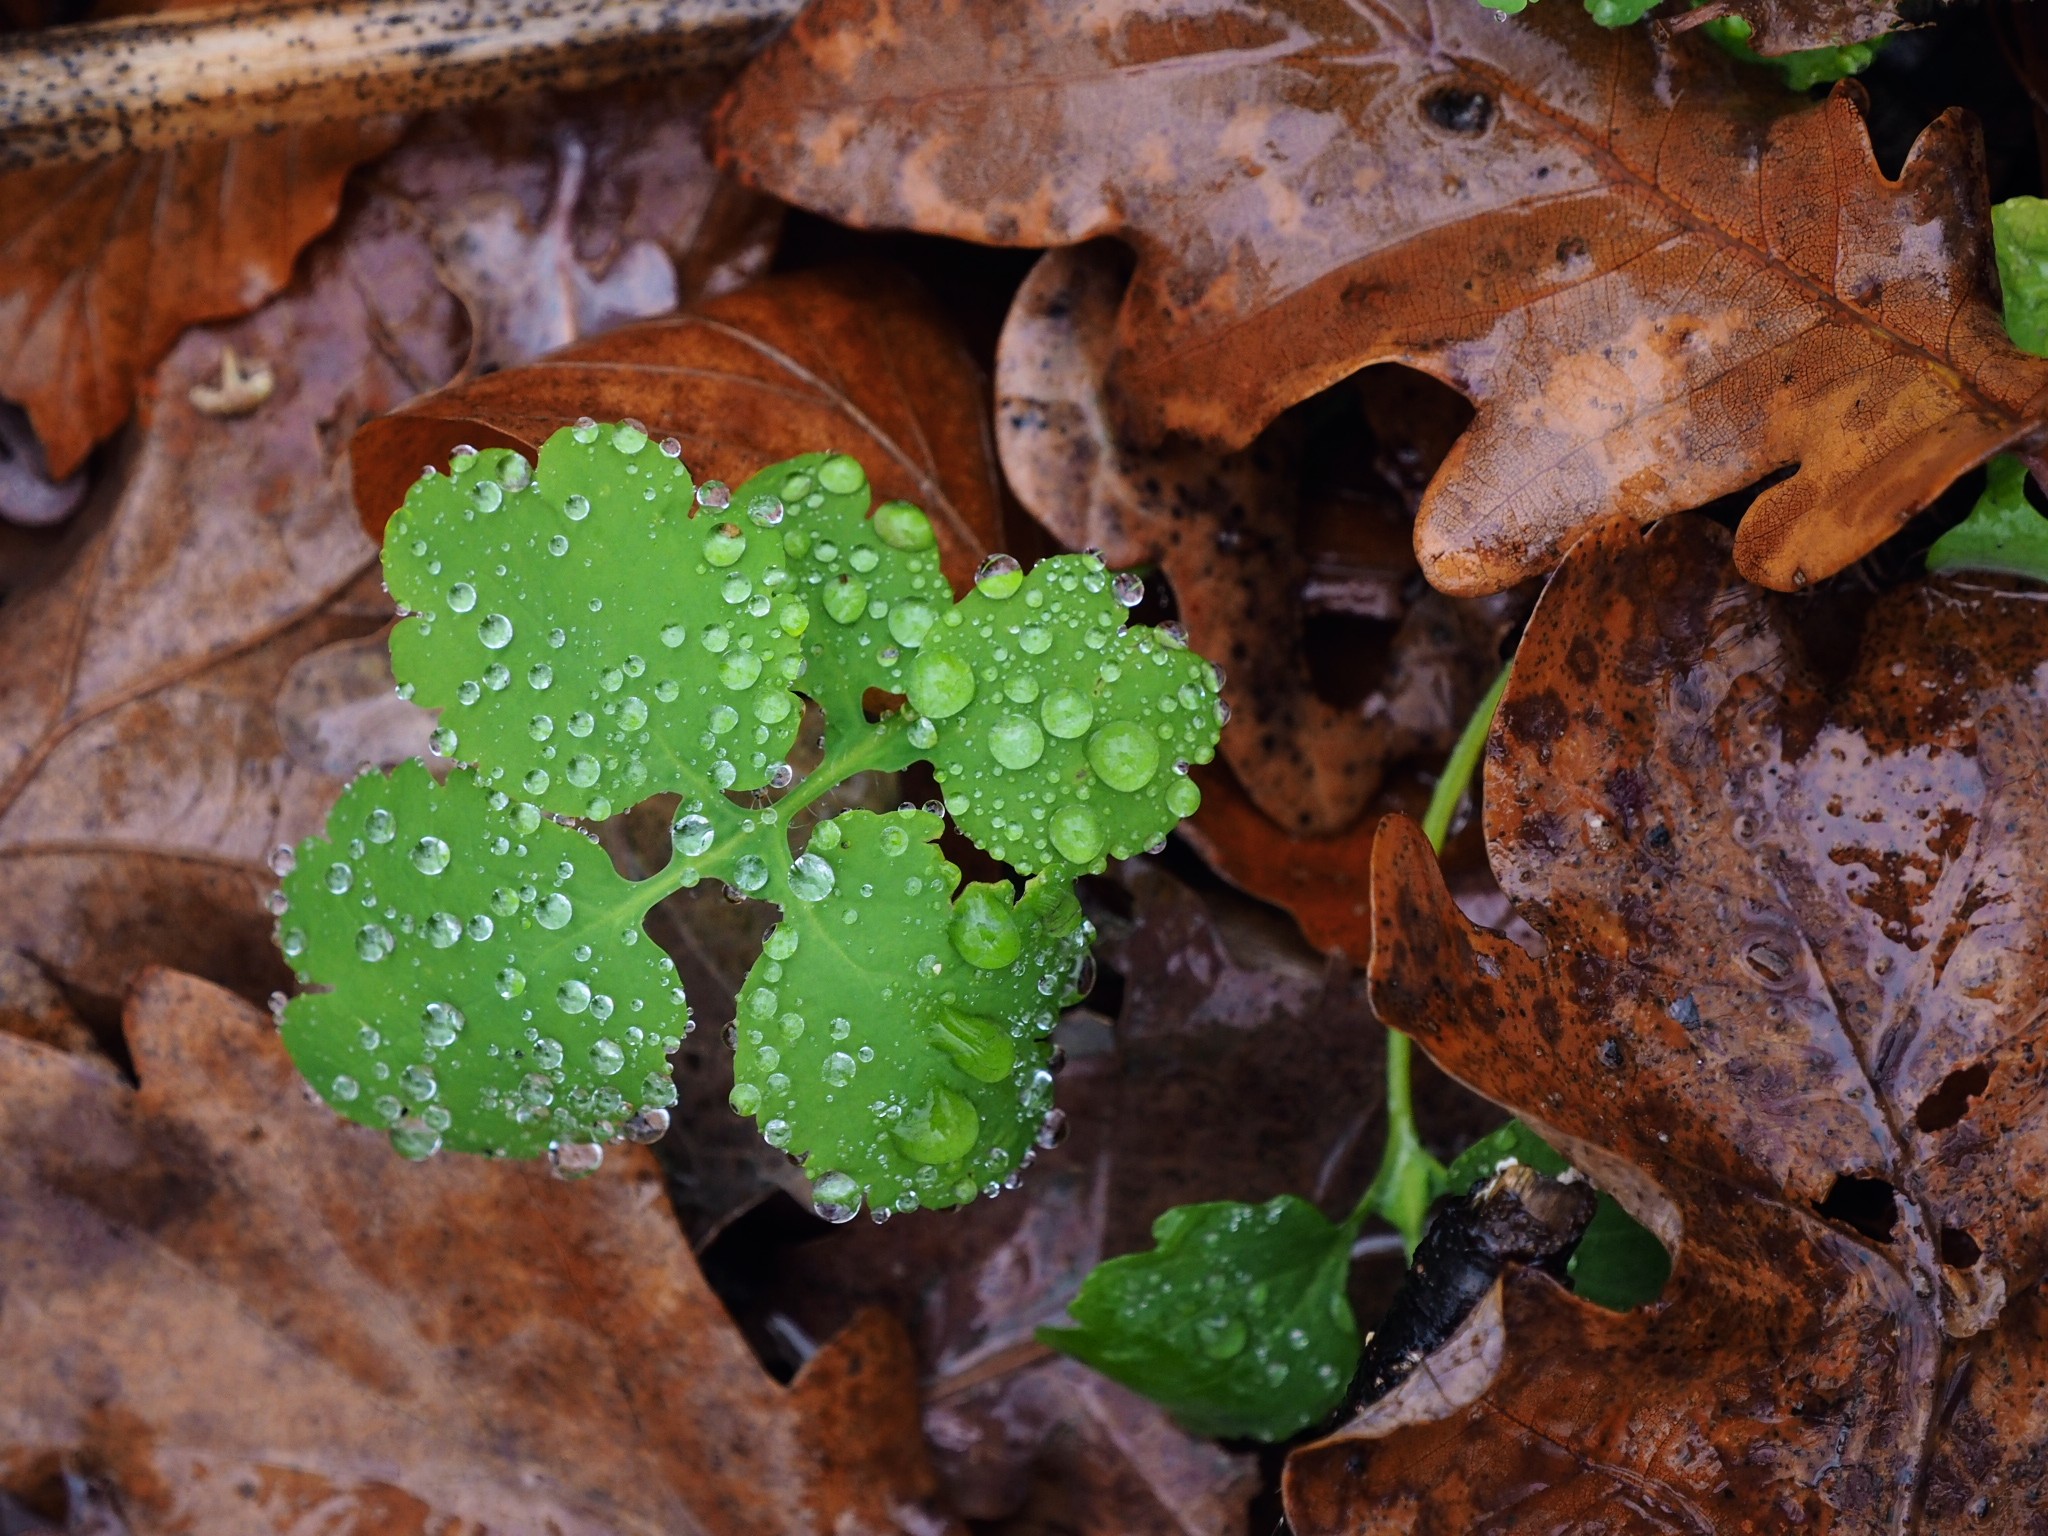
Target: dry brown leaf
x=192, y=687
x=1790, y=1014
x=1231, y=532
x=103, y=266
x=1659, y=279
x=248, y=1316
x=855, y=360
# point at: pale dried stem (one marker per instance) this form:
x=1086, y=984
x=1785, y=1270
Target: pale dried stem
x=81, y=93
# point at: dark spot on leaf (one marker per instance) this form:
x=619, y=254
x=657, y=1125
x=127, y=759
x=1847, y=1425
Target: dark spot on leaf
x=1959, y=1250
x=1869, y=1205
x=1459, y=111
x=1951, y=1101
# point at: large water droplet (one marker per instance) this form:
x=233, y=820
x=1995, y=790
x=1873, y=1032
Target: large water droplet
x=1016, y=742
x=750, y=873
x=605, y=1057
x=1124, y=754
x=578, y=1159
x=1067, y=713
x=1128, y=588
x=838, y=1069
x=940, y=1130
x=842, y=474
x=462, y=597
x=810, y=878
x=900, y=525
x=553, y=910
x=694, y=835
x=495, y=630
x=1221, y=1335
x=984, y=929
x=980, y=1047
x=1076, y=834
x=940, y=684
x=374, y=942
x=430, y=855
x=629, y=436
x=836, y=1197
x=725, y=544
x=999, y=577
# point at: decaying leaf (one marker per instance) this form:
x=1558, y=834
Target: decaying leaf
x=1231, y=531
x=1789, y=1016
x=233, y=1306
x=103, y=265
x=1789, y=26
x=1659, y=280
x=857, y=360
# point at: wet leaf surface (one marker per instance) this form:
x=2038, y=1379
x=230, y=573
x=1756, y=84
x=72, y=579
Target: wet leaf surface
x=1659, y=279
x=856, y=360
x=222, y=1297
x=1787, y=1017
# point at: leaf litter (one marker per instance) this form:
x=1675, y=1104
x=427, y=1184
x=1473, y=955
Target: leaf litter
x=1897, y=1276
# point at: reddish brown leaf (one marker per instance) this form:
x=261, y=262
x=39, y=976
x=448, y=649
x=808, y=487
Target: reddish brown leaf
x=1659, y=279
x=1233, y=533
x=1789, y=1014
x=243, y=1310
x=854, y=360
x=103, y=265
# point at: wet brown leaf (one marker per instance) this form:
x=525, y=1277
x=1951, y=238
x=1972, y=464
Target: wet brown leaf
x=1233, y=533
x=248, y=1316
x=1790, y=1015
x=1658, y=278
x=857, y=360
x=190, y=686
x=103, y=266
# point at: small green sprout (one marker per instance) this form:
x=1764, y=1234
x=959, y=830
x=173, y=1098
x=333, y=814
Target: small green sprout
x=1801, y=70
x=599, y=629
x=2004, y=533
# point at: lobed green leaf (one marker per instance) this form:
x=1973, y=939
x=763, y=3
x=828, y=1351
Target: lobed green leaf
x=894, y=1036
x=489, y=986
x=588, y=639
x=1237, y=1321
x=1061, y=737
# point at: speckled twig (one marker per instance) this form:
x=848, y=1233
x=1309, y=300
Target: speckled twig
x=80, y=93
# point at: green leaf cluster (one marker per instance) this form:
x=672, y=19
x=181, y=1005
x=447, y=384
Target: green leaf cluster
x=598, y=629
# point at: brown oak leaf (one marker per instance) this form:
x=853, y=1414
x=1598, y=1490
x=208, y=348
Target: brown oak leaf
x=1659, y=279
x=1232, y=532
x=1790, y=1013
x=854, y=359
x=246, y=1316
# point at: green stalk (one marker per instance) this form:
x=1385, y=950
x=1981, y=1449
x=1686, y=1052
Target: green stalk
x=1409, y=1179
